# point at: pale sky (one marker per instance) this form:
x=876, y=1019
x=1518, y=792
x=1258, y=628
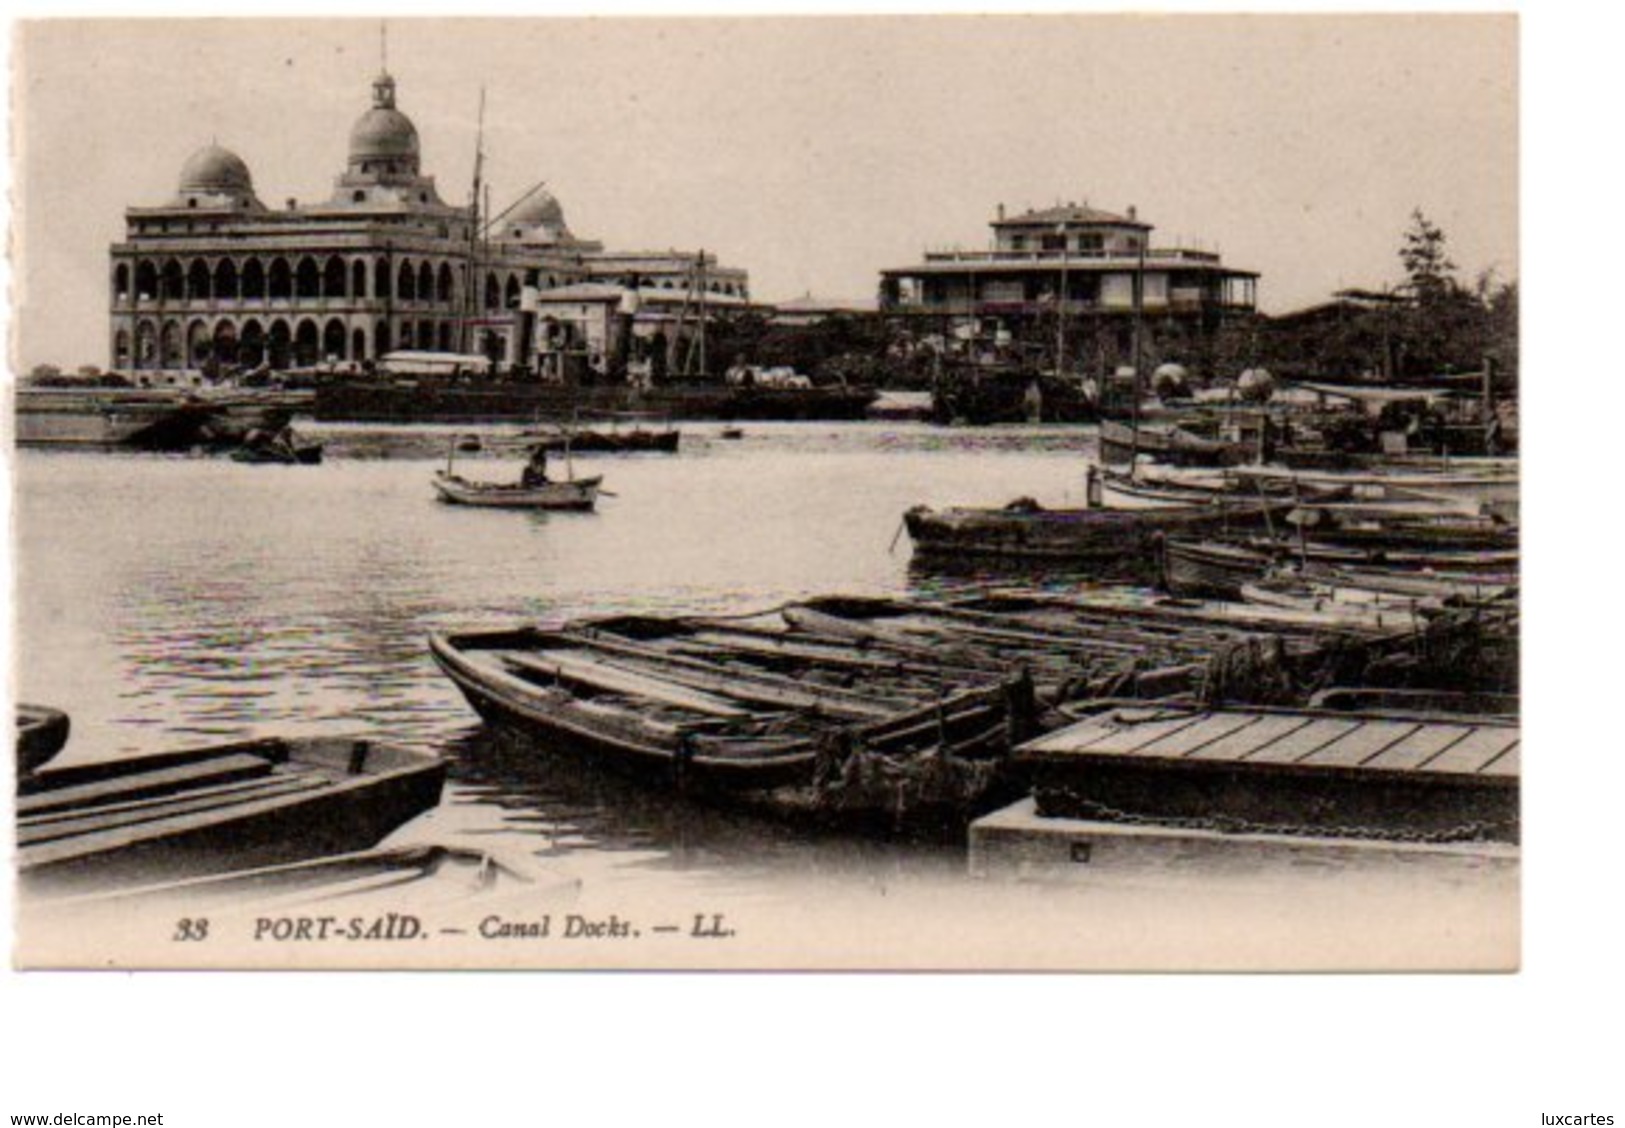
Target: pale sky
x=812, y=152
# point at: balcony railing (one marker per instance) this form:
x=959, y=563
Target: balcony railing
x=1158, y=254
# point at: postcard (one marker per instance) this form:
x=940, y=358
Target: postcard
x=1007, y=493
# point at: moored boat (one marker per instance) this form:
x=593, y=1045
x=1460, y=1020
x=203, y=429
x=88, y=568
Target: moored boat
x=634, y=441
x=218, y=809
x=765, y=717
x=1170, y=444
x=571, y=494
x=1121, y=538
x=1211, y=568
x=1362, y=607
x=41, y=734
x=148, y=418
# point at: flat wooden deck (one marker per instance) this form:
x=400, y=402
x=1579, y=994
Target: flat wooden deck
x=1421, y=778
x=1302, y=739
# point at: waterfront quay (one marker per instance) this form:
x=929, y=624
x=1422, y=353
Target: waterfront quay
x=181, y=601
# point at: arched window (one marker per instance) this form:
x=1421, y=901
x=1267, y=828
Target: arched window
x=406, y=287
x=425, y=283
x=225, y=280
x=121, y=349
x=511, y=293
x=492, y=297
x=333, y=278
x=279, y=284
x=169, y=345
x=307, y=279
x=279, y=345
x=443, y=287
x=253, y=280
x=197, y=281
x=306, y=343
x=380, y=339
x=146, y=345
x=225, y=343
x=251, y=344
x=425, y=334
x=445, y=336
x=199, y=344
x=121, y=288
x=334, y=339
x=381, y=280
x=146, y=281
x=358, y=344
x=173, y=281
x=358, y=279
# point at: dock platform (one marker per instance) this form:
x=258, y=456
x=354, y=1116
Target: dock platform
x=1423, y=778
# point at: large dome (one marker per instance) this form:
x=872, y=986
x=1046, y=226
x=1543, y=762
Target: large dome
x=383, y=133
x=215, y=170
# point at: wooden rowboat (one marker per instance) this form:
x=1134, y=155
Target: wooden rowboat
x=1119, y=538
x=573, y=494
x=217, y=810
x=750, y=714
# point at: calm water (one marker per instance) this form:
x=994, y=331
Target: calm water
x=175, y=601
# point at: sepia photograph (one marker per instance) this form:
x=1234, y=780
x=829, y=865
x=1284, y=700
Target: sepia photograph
x=867, y=493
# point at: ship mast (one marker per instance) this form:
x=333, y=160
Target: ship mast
x=471, y=286
x=1134, y=360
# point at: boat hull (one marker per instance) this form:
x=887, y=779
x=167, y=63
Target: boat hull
x=147, y=419
x=218, y=810
x=578, y=495
x=41, y=734
x=384, y=402
x=937, y=760
x=614, y=442
x=1119, y=537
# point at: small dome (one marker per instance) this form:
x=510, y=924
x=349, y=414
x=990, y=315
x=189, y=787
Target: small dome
x=542, y=207
x=215, y=170
x=1256, y=385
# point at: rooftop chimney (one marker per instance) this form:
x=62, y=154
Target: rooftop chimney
x=1001, y=213
x=293, y=204
x=1133, y=212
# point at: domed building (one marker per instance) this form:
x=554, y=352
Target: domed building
x=215, y=280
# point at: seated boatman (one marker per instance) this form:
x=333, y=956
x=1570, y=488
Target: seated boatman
x=535, y=473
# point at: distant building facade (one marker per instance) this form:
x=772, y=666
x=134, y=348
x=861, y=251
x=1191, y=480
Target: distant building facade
x=217, y=277
x=1076, y=262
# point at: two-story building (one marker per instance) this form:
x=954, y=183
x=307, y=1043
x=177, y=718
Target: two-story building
x=1073, y=271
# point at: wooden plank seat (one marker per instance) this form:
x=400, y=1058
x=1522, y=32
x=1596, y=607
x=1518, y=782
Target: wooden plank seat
x=93, y=820
x=140, y=784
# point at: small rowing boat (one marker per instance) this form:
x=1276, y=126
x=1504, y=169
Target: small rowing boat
x=218, y=809
x=572, y=494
